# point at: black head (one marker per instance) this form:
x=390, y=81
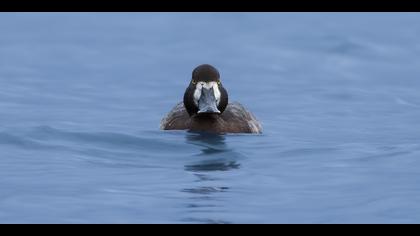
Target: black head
x=205, y=94
x=205, y=73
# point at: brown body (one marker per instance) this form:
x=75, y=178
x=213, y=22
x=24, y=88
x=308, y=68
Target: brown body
x=234, y=119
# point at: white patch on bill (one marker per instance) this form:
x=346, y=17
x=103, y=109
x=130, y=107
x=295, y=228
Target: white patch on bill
x=216, y=92
x=208, y=85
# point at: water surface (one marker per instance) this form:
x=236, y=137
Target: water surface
x=82, y=95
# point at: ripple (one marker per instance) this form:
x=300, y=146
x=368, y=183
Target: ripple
x=100, y=138
x=22, y=142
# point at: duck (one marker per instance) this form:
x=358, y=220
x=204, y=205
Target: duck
x=206, y=108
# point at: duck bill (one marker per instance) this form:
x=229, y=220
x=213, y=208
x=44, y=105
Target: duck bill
x=207, y=103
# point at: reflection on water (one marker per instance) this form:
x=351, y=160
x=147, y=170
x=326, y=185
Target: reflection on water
x=215, y=156
x=206, y=190
x=213, y=165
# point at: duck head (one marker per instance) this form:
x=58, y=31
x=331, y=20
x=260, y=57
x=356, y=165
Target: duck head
x=205, y=94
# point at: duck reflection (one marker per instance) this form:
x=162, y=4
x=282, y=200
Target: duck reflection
x=210, y=168
x=217, y=156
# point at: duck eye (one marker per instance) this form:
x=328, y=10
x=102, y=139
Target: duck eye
x=193, y=82
x=218, y=82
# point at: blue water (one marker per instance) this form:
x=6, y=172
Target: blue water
x=82, y=96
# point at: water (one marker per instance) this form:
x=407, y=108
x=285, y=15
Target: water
x=82, y=95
